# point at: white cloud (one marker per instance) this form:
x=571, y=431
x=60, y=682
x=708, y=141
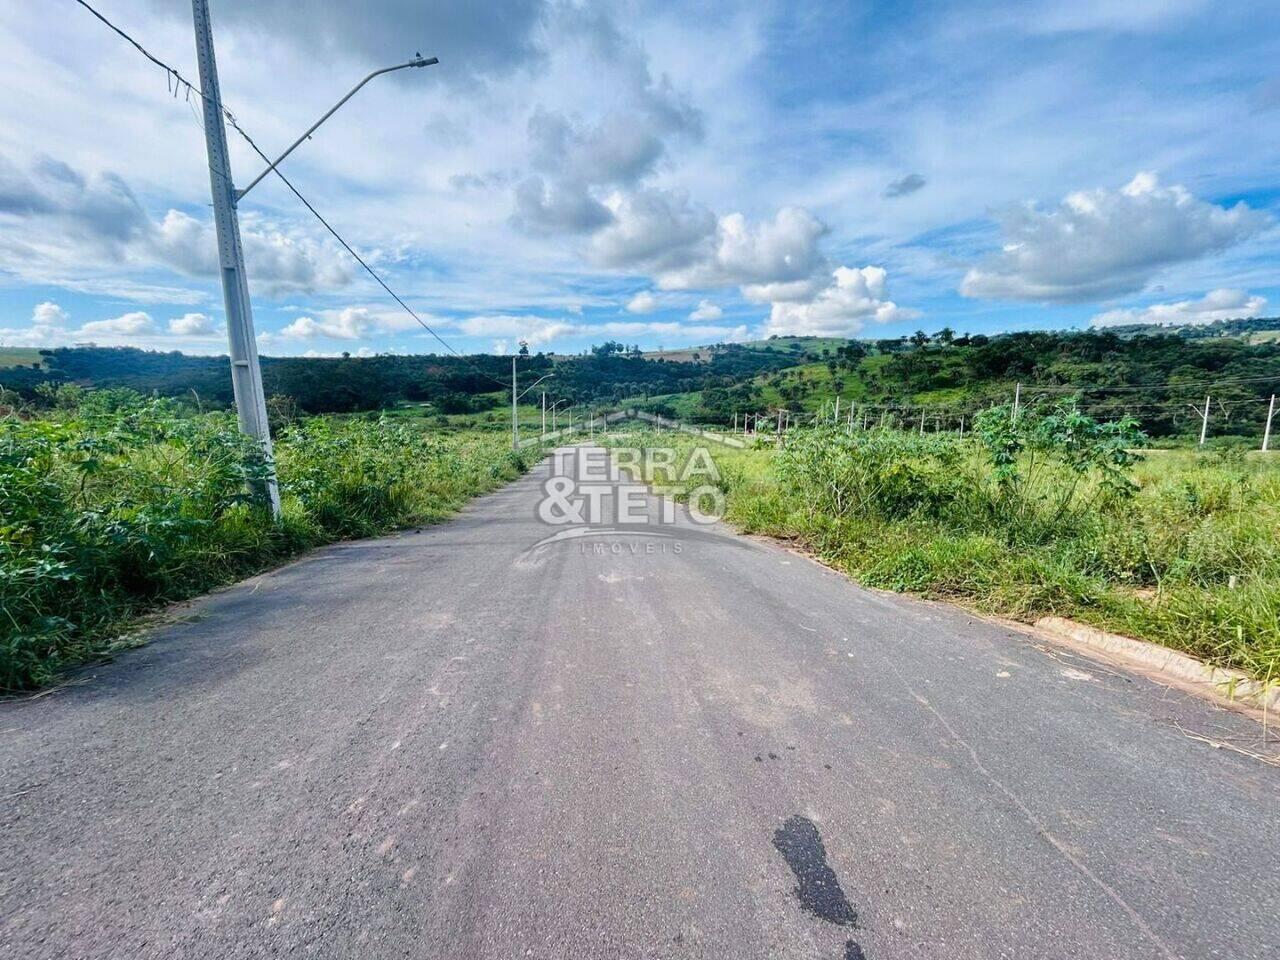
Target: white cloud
x=1215, y=305
x=332, y=354
x=129, y=324
x=349, y=323
x=776, y=261
x=706, y=311
x=540, y=331
x=576, y=161
x=50, y=328
x=545, y=209
x=278, y=263
x=193, y=325
x=654, y=230
x=643, y=302
x=1105, y=243
x=48, y=314
x=853, y=297
x=83, y=230
x=786, y=291
x=535, y=331
x=779, y=250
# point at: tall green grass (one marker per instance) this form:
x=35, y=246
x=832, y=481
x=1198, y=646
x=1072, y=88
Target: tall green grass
x=1181, y=548
x=118, y=505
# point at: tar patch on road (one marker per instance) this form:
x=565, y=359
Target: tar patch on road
x=817, y=886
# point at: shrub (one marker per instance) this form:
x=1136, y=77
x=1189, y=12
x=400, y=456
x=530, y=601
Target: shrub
x=124, y=503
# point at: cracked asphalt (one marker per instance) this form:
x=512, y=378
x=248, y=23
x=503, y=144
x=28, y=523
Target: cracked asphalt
x=653, y=742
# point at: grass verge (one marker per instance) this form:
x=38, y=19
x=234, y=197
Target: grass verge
x=1180, y=549
x=111, y=509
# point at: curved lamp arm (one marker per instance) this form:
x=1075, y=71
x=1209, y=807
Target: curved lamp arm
x=417, y=61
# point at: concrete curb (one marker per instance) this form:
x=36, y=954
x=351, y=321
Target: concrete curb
x=1214, y=682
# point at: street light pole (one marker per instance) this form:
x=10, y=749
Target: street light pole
x=515, y=423
x=555, y=421
x=246, y=372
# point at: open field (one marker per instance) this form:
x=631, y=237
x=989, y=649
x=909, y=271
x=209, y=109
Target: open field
x=18, y=357
x=784, y=345
x=1178, y=548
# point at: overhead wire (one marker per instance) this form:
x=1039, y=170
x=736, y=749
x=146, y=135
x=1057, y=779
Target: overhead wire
x=177, y=80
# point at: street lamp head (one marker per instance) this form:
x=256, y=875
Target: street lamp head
x=419, y=61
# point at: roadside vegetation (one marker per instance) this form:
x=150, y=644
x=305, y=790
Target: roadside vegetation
x=1054, y=513
x=1161, y=375
x=112, y=504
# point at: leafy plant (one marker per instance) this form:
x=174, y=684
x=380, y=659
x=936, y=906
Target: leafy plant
x=123, y=502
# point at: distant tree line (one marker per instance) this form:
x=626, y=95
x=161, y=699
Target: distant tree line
x=1157, y=376
x=1154, y=374
x=348, y=384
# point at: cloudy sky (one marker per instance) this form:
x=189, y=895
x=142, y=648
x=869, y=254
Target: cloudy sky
x=659, y=173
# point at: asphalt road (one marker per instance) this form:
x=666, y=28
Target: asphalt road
x=663, y=742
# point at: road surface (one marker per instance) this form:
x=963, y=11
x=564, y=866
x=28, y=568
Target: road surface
x=665, y=742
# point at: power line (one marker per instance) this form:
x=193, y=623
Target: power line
x=1139, y=387
x=360, y=260
x=180, y=81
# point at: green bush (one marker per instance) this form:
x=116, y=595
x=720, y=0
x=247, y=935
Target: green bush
x=1053, y=514
x=113, y=504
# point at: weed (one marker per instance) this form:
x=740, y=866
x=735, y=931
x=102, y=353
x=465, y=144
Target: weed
x=113, y=504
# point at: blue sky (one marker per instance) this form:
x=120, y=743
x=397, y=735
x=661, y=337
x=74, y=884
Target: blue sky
x=663, y=174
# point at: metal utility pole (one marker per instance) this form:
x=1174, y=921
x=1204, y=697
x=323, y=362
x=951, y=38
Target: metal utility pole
x=1266, y=434
x=515, y=423
x=922, y=421
x=1017, y=400
x=544, y=415
x=555, y=420
x=246, y=373
x=836, y=417
x=1204, y=422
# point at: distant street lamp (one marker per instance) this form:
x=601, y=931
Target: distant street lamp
x=554, y=407
x=515, y=397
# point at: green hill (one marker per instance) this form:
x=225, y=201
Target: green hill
x=1161, y=377
x=19, y=357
